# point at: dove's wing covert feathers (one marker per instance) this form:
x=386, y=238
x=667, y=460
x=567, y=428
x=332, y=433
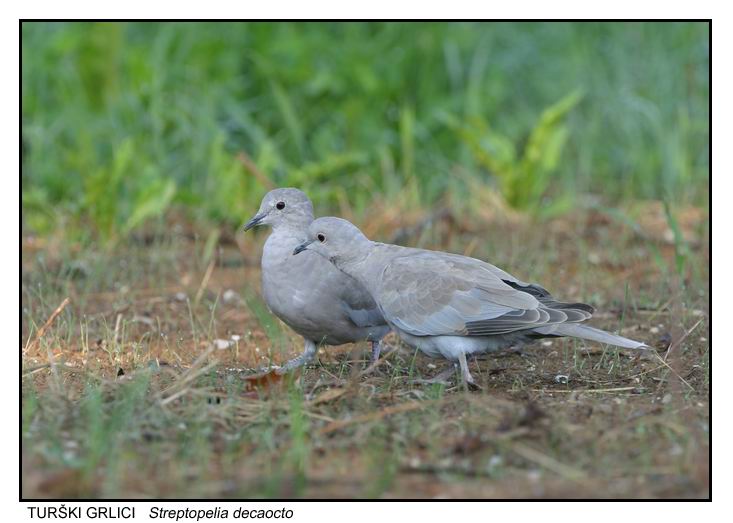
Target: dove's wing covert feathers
x=428, y=294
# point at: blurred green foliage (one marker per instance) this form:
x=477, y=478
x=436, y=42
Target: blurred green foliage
x=123, y=120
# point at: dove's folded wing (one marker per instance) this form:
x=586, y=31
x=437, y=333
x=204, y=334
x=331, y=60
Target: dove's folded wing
x=431, y=294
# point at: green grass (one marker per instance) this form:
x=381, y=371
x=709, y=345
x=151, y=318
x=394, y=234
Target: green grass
x=121, y=121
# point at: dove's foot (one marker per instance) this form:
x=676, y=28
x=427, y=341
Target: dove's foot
x=472, y=385
x=376, y=350
x=468, y=382
x=309, y=352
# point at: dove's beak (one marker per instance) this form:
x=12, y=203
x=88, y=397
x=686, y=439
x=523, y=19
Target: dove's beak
x=302, y=247
x=256, y=219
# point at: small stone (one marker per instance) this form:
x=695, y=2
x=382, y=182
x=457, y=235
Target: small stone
x=666, y=399
x=230, y=296
x=495, y=461
x=223, y=344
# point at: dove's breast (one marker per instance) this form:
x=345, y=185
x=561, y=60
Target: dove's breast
x=309, y=294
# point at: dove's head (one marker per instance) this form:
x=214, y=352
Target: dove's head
x=289, y=207
x=337, y=240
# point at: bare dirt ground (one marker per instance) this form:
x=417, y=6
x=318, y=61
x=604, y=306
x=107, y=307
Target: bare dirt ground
x=138, y=386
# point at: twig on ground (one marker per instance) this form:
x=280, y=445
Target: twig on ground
x=548, y=462
x=118, y=324
x=46, y=325
x=204, y=281
x=377, y=363
x=673, y=372
x=678, y=342
x=197, y=369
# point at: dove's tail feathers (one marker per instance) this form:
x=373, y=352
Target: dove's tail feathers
x=586, y=332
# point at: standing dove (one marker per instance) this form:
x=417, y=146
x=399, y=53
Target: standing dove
x=447, y=305
x=310, y=295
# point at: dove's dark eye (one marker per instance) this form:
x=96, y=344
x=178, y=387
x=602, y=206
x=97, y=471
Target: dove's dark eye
x=321, y=237
x=280, y=205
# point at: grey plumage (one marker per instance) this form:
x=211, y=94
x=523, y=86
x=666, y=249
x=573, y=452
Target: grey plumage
x=449, y=305
x=310, y=295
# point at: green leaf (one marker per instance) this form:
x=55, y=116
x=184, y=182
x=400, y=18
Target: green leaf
x=153, y=201
x=290, y=117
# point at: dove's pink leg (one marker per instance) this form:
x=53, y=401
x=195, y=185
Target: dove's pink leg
x=468, y=380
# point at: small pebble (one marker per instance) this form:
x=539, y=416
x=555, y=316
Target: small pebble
x=495, y=461
x=223, y=344
x=230, y=296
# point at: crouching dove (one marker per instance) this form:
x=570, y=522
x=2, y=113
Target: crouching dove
x=447, y=305
x=310, y=295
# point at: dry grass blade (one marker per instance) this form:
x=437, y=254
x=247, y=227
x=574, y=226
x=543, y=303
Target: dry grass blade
x=547, y=462
x=48, y=323
x=376, y=364
x=204, y=281
x=683, y=380
x=678, y=342
x=327, y=396
x=197, y=369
